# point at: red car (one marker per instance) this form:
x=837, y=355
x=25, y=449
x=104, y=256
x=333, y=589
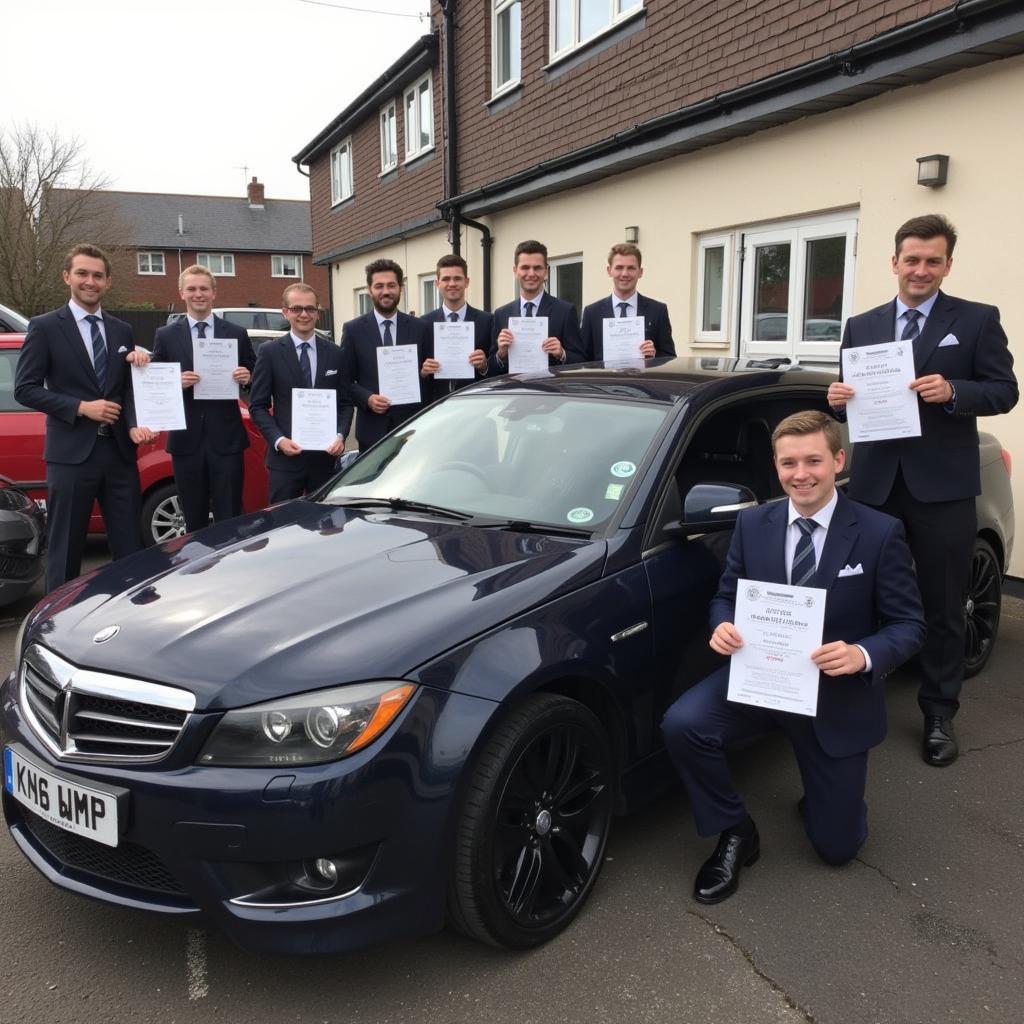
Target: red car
x=21, y=458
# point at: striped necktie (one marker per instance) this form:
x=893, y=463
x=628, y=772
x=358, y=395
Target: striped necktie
x=804, y=564
x=912, y=329
x=99, y=350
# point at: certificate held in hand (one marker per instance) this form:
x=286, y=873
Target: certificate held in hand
x=398, y=374
x=314, y=418
x=622, y=338
x=215, y=360
x=156, y=391
x=525, y=354
x=453, y=345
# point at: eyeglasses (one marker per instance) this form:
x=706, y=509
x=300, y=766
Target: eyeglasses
x=308, y=310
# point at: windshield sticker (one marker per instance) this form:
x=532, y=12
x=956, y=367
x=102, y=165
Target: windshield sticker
x=580, y=515
x=621, y=469
x=614, y=491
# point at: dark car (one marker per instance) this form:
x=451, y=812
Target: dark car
x=421, y=694
x=22, y=542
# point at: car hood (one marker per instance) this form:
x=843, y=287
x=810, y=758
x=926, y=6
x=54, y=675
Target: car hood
x=305, y=596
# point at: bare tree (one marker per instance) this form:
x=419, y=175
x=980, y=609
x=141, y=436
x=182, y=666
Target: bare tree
x=50, y=199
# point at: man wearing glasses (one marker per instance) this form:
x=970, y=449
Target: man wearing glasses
x=299, y=359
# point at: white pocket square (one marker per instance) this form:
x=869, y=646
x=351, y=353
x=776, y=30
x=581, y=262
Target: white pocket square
x=949, y=339
x=121, y=349
x=851, y=570
x=330, y=373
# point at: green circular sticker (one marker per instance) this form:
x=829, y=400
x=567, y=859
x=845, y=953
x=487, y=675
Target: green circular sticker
x=580, y=515
x=622, y=469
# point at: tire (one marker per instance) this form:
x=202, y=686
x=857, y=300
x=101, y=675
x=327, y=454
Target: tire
x=533, y=824
x=982, y=606
x=162, y=518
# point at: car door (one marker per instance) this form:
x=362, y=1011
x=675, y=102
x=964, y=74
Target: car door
x=22, y=432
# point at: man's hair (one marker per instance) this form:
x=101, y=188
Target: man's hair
x=531, y=246
x=451, y=260
x=931, y=225
x=625, y=249
x=194, y=270
x=297, y=286
x=92, y=251
x=811, y=421
x=383, y=267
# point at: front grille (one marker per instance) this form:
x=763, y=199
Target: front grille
x=97, y=716
x=127, y=864
x=18, y=567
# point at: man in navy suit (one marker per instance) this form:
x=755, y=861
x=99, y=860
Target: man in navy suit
x=452, y=283
x=625, y=268
x=361, y=338
x=873, y=623
x=74, y=366
x=563, y=343
x=964, y=370
x=299, y=359
x=206, y=455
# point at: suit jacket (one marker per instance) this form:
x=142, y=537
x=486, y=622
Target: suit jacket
x=360, y=339
x=657, y=326
x=217, y=423
x=55, y=373
x=270, y=398
x=943, y=463
x=878, y=608
x=563, y=324
x=482, y=324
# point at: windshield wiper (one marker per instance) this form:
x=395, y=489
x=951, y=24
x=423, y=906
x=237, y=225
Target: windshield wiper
x=404, y=505
x=524, y=526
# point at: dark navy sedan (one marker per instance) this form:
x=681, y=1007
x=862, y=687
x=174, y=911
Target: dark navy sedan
x=420, y=696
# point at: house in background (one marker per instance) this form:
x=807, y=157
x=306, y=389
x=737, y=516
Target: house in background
x=762, y=155
x=254, y=246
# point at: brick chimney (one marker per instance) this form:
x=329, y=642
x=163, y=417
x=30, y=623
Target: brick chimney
x=255, y=190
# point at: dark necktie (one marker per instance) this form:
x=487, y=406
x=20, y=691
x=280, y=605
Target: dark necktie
x=388, y=338
x=528, y=309
x=99, y=350
x=454, y=317
x=804, y=565
x=201, y=328
x=623, y=306
x=305, y=365
x=912, y=328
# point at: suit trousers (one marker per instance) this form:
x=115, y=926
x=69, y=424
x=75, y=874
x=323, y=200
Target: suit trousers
x=207, y=479
x=106, y=477
x=702, y=723
x=312, y=469
x=941, y=538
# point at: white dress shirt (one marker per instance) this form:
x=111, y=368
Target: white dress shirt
x=630, y=305
x=460, y=312
x=924, y=309
x=311, y=342
x=84, y=327
x=536, y=300
x=192, y=326
x=393, y=320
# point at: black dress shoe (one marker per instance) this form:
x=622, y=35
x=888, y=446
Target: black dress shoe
x=939, y=747
x=719, y=876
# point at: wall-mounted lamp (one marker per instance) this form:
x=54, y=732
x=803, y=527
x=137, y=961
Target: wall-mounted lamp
x=633, y=234
x=932, y=170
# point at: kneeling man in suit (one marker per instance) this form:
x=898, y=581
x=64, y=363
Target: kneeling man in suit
x=873, y=623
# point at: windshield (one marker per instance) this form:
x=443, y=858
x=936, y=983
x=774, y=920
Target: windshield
x=557, y=460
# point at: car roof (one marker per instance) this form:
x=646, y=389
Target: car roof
x=664, y=379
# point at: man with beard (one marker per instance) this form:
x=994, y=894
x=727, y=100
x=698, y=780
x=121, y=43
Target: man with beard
x=383, y=326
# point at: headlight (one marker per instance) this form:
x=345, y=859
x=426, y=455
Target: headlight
x=311, y=728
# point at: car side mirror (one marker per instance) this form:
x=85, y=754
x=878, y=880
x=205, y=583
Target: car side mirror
x=708, y=507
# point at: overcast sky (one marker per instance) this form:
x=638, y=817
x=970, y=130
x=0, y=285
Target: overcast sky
x=186, y=93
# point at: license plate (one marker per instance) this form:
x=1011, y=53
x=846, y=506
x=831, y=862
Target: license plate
x=67, y=803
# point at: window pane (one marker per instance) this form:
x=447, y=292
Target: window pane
x=628, y=5
x=568, y=283
x=823, y=288
x=514, y=46
x=714, y=275
x=346, y=172
x=410, y=122
x=563, y=24
x=771, y=292
x=426, y=115
x=158, y=262
x=594, y=16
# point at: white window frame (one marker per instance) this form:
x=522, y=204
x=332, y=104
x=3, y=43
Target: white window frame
x=388, y=137
x=498, y=9
x=277, y=265
x=226, y=259
x=413, y=127
x=430, y=297
x=617, y=14
x=551, y=285
x=341, y=162
x=706, y=242
x=362, y=303
x=151, y=256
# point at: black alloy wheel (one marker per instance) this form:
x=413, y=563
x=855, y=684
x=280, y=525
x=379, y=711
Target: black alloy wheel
x=982, y=606
x=534, y=823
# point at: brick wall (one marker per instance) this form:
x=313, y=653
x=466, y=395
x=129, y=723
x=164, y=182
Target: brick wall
x=252, y=284
x=411, y=190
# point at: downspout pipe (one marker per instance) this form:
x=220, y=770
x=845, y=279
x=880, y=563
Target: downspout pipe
x=486, y=241
x=451, y=121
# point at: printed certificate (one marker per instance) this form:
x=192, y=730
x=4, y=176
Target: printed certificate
x=884, y=406
x=780, y=626
x=398, y=374
x=623, y=337
x=215, y=359
x=156, y=390
x=314, y=418
x=525, y=354
x=453, y=345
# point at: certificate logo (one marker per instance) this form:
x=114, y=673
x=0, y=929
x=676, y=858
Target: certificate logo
x=899, y=351
x=753, y=594
x=854, y=356
x=809, y=601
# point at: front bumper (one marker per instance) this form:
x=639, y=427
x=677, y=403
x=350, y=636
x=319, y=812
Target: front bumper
x=218, y=840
